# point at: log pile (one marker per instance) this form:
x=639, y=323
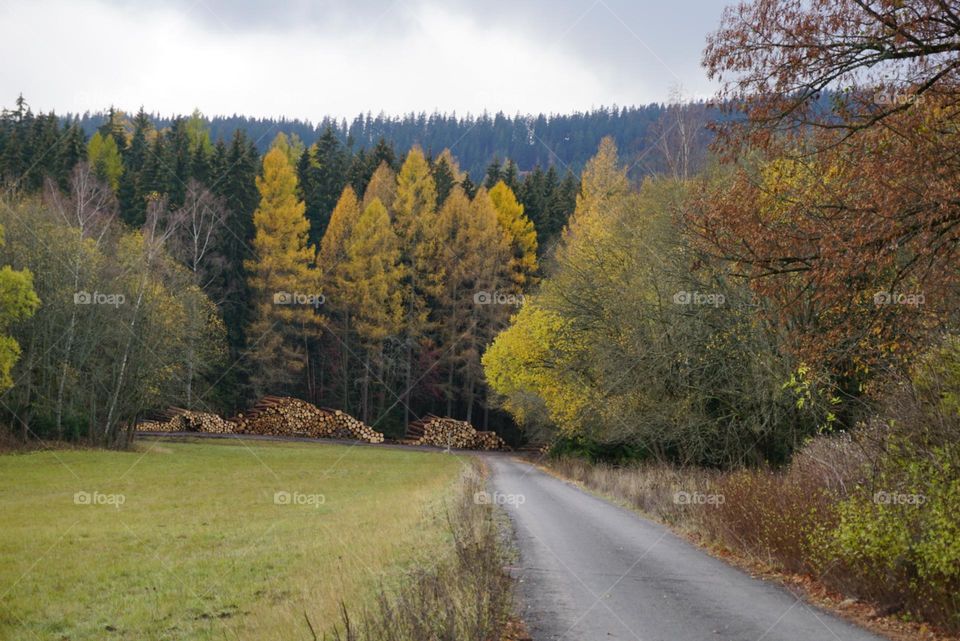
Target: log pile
x=488, y=441
x=284, y=416
x=177, y=419
x=449, y=432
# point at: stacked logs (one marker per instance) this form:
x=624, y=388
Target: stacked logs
x=449, y=432
x=284, y=416
x=177, y=419
x=488, y=441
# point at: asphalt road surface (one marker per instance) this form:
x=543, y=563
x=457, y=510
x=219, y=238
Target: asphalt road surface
x=592, y=571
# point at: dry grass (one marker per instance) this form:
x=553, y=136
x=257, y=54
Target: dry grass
x=465, y=595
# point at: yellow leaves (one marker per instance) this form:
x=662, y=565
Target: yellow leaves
x=17, y=301
x=520, y=235
x=285, y=285
x=382, y=185
x=104, y=156
x=525, y=362
x=342, y=221
x=371, y=276
x=416, y=199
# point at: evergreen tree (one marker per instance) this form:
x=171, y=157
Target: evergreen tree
x=331, y=177
x=468, y=187
x=494, y=174
x=383, y=153
x=131, y=193
x=444, y=179
x=73, y=149
x=115, y=126
x=511, y=176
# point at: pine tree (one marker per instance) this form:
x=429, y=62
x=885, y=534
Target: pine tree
x=233, y=178
x=73, y=149
x=331, y=177
x=511, y=176
x=494, y=174
x=383, y=153
x=115, y=126
x=131, y=194
x=444, y=179
x=468, y=187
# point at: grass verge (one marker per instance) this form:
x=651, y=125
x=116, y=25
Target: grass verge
x=465, y=594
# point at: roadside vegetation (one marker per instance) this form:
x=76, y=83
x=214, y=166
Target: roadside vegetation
x=766, y=350
x=462, y=594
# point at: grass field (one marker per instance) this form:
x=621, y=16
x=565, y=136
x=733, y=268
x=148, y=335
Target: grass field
x=211, y=540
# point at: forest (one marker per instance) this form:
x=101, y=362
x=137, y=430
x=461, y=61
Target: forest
x=565, y=140
x=311, y=270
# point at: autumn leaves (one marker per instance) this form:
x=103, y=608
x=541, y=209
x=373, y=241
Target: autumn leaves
x=397, y=273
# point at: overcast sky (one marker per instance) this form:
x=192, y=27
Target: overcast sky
x=310, y=58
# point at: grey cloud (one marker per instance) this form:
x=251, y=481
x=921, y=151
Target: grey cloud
x=621, y=41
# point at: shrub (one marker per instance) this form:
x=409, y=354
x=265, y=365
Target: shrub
x=897, y=536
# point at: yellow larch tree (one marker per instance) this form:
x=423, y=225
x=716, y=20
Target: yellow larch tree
x=520, y=235
x=284, y=284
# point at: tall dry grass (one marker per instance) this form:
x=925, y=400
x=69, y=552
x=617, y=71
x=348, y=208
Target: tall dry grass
x=466, y=595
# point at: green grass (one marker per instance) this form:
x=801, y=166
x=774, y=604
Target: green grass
x=199, y=549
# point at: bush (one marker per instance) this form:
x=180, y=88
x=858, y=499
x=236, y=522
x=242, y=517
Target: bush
x=897, y=537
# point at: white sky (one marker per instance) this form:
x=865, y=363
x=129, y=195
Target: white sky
x=307, y=59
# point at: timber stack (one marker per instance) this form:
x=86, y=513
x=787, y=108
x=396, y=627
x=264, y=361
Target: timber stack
x=449, y=432
x=285, y=416
x=178, y=419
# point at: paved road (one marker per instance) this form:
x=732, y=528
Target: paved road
x=592, y=571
